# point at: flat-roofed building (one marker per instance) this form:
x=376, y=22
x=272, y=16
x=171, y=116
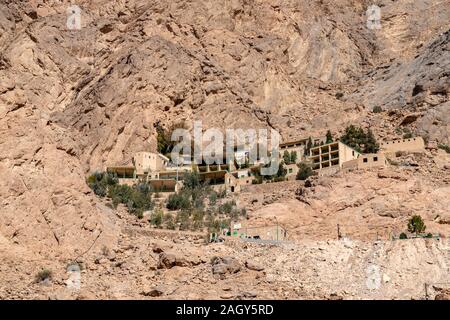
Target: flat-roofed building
x=298, y=146
x=366, y=161
x=328, y=158
x=146, y=162
x=416, y=144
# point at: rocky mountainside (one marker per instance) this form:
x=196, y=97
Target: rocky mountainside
x=70, y=101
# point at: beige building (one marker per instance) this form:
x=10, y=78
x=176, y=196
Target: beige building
x=147, y=162
x=298, y=146
x=292, y=170
x=329, y=158
x=268, y=232
x=234, y=182
x=366, y=161
x=415, y=144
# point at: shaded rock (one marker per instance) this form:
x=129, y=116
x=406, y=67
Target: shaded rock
x=153, y=292
x=253, y=266
x=224, y=265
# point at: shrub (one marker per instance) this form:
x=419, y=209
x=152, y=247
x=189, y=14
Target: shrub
x=403, y=236
x=197, y=219
x=416, y=224
x=304, y=172
x=99, y=182
x=444, y=147
x=213, y=198
x=377, y=109
x=169, y=221
x=227, y=207
x=408, y=135
x=339, y=95
x=156, y=218
x=429, y=235
x=183, y=220
x=136, y=198
x=178, y=201
x=44, y=275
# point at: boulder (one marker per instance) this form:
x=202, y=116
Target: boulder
x=224, y=265
x=253, y=266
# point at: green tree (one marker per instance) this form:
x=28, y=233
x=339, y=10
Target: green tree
x=304, y=171
x=294, y=157
x=371, y=145
x=361, y=141
x=191, y=180
x=286, y=157
x=416, y=224
x=282, y=171
x=329, y=137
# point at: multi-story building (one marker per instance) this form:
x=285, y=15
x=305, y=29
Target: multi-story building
x=328, y=158
x=299, y=147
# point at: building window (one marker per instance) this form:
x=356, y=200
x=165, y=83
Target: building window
x=375, y=158
x=365, y=160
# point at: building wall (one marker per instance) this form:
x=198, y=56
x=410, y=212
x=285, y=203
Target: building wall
x=346, y=153
x=366, y=161
x=415, y=144
x=331, y=157
x=148, y=162
x=273, y=232
x=292, y=170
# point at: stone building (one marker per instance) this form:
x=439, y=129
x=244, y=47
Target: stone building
x=366, y=161
x=329, y=158
x=416, y=144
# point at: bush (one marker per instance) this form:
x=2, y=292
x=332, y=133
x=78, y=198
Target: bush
x=429, y=235
x=169, y=221
x=304, y=171
x=377, y=109
x=183, y=220
x=197, y=219
x=416, y=224
x=227, y=207
x=444, y=147
x=136, y=198
x=156, y=218
x=213, y=198
x=178, y=201
x=403, y=236
x=44, y=275
x=99, y=182
x=339, y=95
